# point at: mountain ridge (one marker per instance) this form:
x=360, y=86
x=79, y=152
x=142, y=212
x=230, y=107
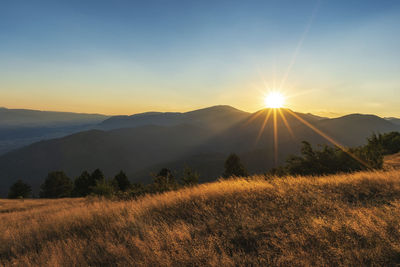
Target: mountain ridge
x=146, y=148
x=174, y=118
x=30, y=117
x=393, y=120
x=20, y=127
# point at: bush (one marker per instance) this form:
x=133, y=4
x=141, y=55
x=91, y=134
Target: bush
x=389, y=143
x=103, y=188
x=19, y=190
x=331, y=160
x=136, y=190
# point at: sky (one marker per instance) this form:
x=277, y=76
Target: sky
x=328, y=57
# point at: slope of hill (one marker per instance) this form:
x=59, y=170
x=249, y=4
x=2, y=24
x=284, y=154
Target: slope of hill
x=342, y=220
x=145, y=149
x=316, y=117
x=35, y=118
x=126, y=149
x=394, y=120
x=216, y=118
x=12, y=138
x=355, y=128
x=21, y=127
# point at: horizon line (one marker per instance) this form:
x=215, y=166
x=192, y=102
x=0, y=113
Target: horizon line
x=319, y=114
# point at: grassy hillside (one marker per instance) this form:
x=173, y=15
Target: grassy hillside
x=392, y=161
x=347, y=219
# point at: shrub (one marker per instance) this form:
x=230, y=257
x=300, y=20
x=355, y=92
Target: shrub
x=103, y=188
x=330, y=160
x=389, y=143
x=190, y=177
x=136, y=190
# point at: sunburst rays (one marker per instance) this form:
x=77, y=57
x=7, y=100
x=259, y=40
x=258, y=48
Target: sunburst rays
x=275, y=112
x=275, y=104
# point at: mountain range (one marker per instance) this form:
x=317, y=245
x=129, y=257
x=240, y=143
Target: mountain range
x=20, y=127
x=143, y=143
x=394, y=120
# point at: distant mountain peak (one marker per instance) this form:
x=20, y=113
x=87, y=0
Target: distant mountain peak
x=216, y=107
x=360, y=116
x=220, y=116
x=211, y=108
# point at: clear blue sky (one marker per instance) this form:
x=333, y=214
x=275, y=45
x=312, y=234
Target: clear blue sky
x=124, y=57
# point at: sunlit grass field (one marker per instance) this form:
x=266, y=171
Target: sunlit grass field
x=351, y=219
x=392, y=161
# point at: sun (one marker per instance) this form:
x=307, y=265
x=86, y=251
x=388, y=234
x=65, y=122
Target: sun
x=274, y=100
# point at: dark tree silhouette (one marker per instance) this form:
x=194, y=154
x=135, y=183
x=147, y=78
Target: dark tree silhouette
x=233, y=167
x=56, y=185
x=82, y=185
x=121, y=181
x=103, y=188
x=97, y=175
x=190, y=177
x=138, y=189
x=330, y=160
x=19, y=190
x=164, y=181
x=389, y=143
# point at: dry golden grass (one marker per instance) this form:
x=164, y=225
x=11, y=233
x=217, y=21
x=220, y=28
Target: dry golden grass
x=392, y=161
x=334, y=220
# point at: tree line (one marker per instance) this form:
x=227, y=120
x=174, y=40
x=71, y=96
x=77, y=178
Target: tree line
x=58, y=185
x=326, y=159
x=311, y=161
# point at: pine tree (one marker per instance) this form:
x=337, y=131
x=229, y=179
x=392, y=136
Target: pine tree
x=234, y=167
x=56, y=185
x=164, y=181
x=190, y=177
x=82, y=185
x=121, y=181
x=97, y=175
